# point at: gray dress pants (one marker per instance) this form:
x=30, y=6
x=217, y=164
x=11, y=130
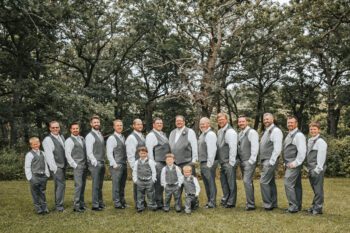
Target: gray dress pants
x=292, y=185
x=268, y=184
x=60, y=187
x=228, y=184
x=247, y=175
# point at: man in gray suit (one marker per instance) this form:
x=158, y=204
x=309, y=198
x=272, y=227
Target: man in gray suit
x=53, y=145
x=183, y=144
x=116, y=154
x=226, y=153
x=158, y=146
x=76, y=157
x=248, y=148
x=206, y=156
x=95, y=150
x=270, y=149
x=294, y=152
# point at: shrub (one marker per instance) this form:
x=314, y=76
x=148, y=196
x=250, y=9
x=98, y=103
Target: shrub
x=338, y=158
x=11, y=165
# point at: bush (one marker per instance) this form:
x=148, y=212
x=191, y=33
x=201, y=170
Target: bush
x=338, y=157
x=11, y=165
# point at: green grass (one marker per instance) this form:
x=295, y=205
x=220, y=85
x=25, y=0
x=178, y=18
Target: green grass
x=17, y=213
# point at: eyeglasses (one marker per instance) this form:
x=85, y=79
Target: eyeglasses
x=54, y=127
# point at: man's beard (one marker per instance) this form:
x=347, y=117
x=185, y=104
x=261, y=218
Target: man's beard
x=96, y=127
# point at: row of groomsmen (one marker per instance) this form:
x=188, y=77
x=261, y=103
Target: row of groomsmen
x=226, y=148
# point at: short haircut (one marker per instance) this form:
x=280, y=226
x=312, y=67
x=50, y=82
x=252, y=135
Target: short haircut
x=136, y=120
x=222, y=114
x=157, y=119
x=180, y=116
x=187, y=168
x=268, y=114
x=73, y=123
x=53, y=122
x=117, y=120
x=292, y=117
x=94, y=117
x=206, y=119
x=243, y=116
x=315, y=124
x=33, y=139
x=170, y=155
x=142, y=148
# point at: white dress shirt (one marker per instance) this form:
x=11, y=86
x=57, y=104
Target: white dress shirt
x=253, y=137
x=68, y=147
x=300, y=142
x=231, y=140
x=180, y=177
x=49, y=147
x=110, y=145
x=211, y=141
x=28, y=165
x=276, y=137
x=151, y=163
x=131, y=147
x=321, y=147
x=192, y=138
x=89, y=144
x=152, y=141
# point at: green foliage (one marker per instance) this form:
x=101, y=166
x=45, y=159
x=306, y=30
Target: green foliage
x=338, y=160
x=11, y=165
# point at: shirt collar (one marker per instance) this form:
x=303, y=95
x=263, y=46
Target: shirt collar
x=56, y=136
x=138, y=133
x=95, y=131
x=181, y=129
x=225, y=127
x=117, y=134
x=270, y=127
x=313, y=138
x=245, y=129
x=293, y=131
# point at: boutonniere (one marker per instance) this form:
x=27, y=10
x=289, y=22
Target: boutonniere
x=184, y=132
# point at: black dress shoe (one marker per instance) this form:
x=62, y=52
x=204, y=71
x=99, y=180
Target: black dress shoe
x=78, y=210
x=269, y=209
x=229, y=206
x=119, y=207
x=288, y=211
x=83, y=208
x=249, y=208
x=96, y=209
x=314, y=212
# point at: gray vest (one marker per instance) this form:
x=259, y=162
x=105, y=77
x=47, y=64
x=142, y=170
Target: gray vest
x=202, y=147
x=244, y=147
x=189, y=185
x=266, y=145
x=171, y=175
x=182, y=148
x=311, y=157
x=140, y=143
x=98, y=148
x=161, y=149
x=223, y=148
x=144, y=171
x=79, y=152
x=38, y=163
x=119, y=152
x=58, y=152
x=290, y=150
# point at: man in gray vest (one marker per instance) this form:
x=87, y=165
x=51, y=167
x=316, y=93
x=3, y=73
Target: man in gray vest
x=76, y=157
x=116, y=154
x=316, y=158
x=95, y=151
x=134, y=141
x=248, y=149
x=206, y=156
x=294, y=152
x=158, y=146
x=226, y=153
x=53, y=145
x=183, y=144
x=270, y=149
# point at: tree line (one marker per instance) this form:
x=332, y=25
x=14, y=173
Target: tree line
x=66, y=60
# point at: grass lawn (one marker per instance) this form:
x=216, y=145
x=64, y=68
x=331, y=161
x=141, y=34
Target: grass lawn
x=17, y=213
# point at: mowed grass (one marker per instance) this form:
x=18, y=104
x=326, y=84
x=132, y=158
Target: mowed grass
x=17, y=213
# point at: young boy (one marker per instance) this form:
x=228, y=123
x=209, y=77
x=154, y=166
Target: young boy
x=37, y=172
x=315, y=159
x=144, y=176
x=192, y=190
x=171, y=179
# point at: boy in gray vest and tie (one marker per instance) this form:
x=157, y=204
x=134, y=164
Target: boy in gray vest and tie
x=315, y=162
x=76, y=157
x=192, y=189
x=37, y=173
x=116, y=154
x=171, y=179
x=144, y=176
